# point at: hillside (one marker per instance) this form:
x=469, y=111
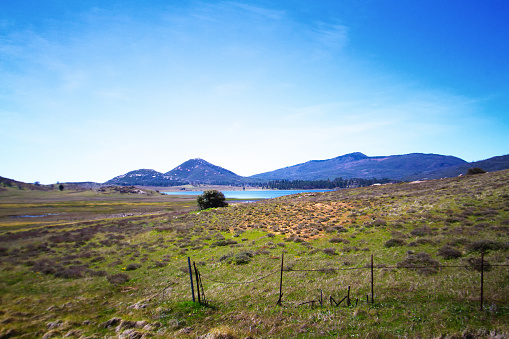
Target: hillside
x=490, y=165
x=5, y=182
x=358, y=165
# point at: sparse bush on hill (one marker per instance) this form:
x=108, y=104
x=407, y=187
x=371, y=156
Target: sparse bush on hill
x=475, y=170
x=132, y=267
x=485, y=246
x=394, y=242
x=422, y=262
x=330, y=251
x=478, y=264
x=243, y=257
x=118, y=279
x=447, y=252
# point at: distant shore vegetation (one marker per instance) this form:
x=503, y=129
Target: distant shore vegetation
x=325, y=184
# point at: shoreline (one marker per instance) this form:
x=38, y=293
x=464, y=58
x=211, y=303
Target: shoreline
x=190, y=188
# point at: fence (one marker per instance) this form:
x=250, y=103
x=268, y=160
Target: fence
x=481, y=266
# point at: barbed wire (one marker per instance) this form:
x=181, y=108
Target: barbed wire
x=392, y=267
x=242, y=282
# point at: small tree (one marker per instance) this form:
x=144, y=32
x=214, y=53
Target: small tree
x=61, y=187
x=211, y=199
x=475, y=170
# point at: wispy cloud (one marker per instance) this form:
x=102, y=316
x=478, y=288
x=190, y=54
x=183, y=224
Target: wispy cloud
x=331, y=36
x=266, y=13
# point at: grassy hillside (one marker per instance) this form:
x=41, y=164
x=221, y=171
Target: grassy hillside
x=128, y=275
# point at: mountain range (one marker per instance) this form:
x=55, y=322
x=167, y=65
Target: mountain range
x=414, y=166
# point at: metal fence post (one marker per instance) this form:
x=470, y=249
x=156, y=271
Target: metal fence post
x=191, y=276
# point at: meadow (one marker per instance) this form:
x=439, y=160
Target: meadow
x=113, y=264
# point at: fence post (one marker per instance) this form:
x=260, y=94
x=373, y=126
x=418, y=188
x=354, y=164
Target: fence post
x=372, y=283
x=348, y=297
x=281, y=280
x=482, y=279
x=191, y=276
x=197, y=282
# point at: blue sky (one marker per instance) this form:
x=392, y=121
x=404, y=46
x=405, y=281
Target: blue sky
x=93, y=89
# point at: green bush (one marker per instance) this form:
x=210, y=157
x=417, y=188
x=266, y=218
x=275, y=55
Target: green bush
x=394, y=242
x=447, y=252
x=475, y=170
x=243, y=257
x=211, y=199
x=486, y=245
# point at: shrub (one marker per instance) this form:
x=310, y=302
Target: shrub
x=211, y=199
x=243, y=257
x=379, y=222
x=330, y=251
x=475, y=264
x=132, y=267
x=336, y=240
x=475, y=170
x=226, y=257
x=394, y=242
x=45, y=266
x=447, y=252
x=485, y=246
x=422, y=262
x=3, y=251
x=100, y=273
x=71, y=272
x=420, y=231
x=223, y=243
x=118, y=279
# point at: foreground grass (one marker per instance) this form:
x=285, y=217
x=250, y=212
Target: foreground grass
x=58, y=279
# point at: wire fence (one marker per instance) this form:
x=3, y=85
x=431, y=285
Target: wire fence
x=480, y=265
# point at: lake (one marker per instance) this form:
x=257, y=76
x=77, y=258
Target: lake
x=262, y=194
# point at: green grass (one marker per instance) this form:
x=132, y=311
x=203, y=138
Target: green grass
x=163, y=231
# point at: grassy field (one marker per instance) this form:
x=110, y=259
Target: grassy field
x=108, y=264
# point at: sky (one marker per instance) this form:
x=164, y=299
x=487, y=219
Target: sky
x=94, y=89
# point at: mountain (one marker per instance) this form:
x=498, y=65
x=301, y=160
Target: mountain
x=406, y=167
x=358, y=165
x=201, y=171
x=194, y=171
x=494, y=164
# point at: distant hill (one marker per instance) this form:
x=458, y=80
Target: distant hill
x=5, y=182
x=494, y=164
x=193, y=171
x=144, y=177
x=358, y=165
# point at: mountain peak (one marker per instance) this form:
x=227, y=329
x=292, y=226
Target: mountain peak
x=198, y=169
x=353, y=156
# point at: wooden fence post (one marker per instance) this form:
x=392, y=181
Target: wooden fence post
x=191, y=276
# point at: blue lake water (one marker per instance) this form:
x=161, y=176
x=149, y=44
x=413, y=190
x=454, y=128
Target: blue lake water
x=266, y=194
